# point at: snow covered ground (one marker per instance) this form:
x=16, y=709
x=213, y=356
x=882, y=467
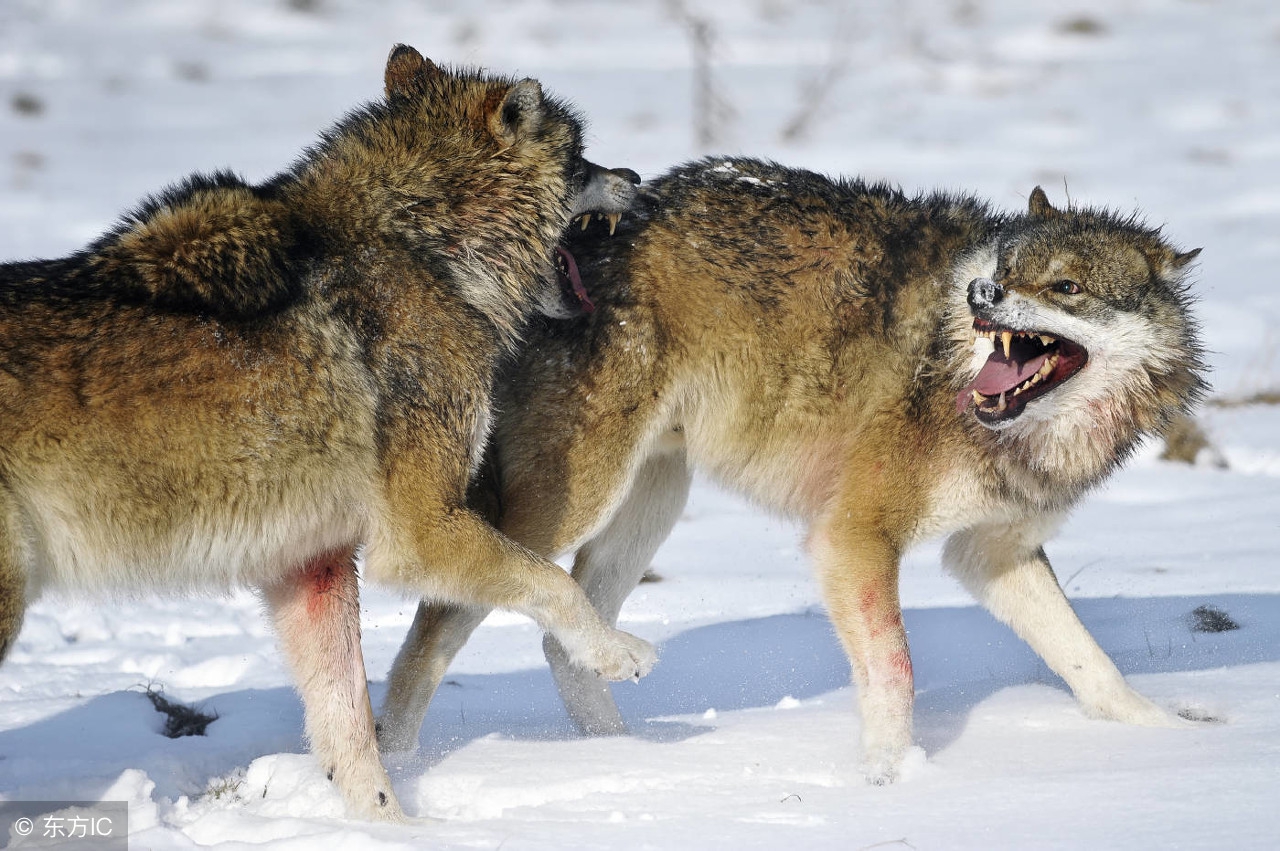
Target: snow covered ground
x=744, y=735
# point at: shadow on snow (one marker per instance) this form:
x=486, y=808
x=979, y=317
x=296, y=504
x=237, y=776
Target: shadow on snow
x=961, y=657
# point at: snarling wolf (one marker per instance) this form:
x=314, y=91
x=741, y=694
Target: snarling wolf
x=240, y=385
x=884, y=368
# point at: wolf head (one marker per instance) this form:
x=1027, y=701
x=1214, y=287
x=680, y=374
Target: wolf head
x=485, y=173
x=1081, y=338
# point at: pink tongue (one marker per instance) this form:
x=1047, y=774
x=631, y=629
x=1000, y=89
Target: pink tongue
x=996, y=376
x=575, y=281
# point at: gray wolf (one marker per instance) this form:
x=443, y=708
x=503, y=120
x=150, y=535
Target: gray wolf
x=884, y=368
x=240, y=385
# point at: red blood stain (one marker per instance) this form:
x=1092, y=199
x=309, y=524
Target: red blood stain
x=325, y=575
x=899, y=666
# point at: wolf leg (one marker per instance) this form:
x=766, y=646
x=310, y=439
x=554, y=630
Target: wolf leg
x=317, y=619
x=1012, y=578
x=13, y=579
x=440, y=629
x=13, y=603
x=858, y=568
x=608, y=567
x=448, y=553
x=437, y=634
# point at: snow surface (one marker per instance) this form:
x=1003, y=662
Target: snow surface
x=745, y=734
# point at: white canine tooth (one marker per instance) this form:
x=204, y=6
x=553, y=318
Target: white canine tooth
x=1003, y=404
x=1006, y=343
x=586, y=220
x=613, y=221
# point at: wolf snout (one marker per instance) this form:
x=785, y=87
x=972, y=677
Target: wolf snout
x=984, y=292
x=606, y=192
x=627, y=175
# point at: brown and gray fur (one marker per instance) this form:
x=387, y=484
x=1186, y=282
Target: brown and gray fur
x=804, y=342
x=241, y=384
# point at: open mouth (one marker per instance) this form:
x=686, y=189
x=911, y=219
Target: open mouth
x=567, y=267
x=1024, y=366
x=571, y=279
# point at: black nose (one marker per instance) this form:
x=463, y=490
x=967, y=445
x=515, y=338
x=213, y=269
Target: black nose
x=984, y=292
x=626, y=173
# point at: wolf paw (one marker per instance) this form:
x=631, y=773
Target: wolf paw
x=882, y=766
x=366, y=788
x=386, y=808
x=622, y=656
x=1129, y=707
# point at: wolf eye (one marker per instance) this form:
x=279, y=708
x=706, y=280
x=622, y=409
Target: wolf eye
x=1066, y=287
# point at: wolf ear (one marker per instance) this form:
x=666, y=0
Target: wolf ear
x=1177, y=262
x=520, y=111
x=1038, y=205
x=407, y=70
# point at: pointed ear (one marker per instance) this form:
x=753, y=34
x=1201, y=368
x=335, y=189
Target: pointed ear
x=407, y=69
x=1178, y=261
x=1038, y=205
x=1173, y=263
x=520, y=111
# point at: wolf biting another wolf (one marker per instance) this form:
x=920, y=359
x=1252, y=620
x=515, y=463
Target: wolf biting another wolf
x=239, y=385
x=884, y=368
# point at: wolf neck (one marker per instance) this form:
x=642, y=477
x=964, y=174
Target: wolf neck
x=464, y=248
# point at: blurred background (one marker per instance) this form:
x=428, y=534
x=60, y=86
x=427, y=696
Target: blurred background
x=1168, y=107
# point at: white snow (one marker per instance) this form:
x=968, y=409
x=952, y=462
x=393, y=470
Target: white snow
x=745, y=733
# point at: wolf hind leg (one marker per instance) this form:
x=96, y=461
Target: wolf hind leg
x=608, y=567
x=1012, y=578
x=13, y=578
x=316, y=613
x=439, y=630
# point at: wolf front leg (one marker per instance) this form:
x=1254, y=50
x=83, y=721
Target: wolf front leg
x=445, y=552
x=13, y=575
x=1006, y=569
x=316, y=612
x=608, y=567
x=858, y=566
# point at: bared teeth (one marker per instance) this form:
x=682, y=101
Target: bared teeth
x=1045, y=370
x=1049, y=364
x=1003, y=338
x=611, y=218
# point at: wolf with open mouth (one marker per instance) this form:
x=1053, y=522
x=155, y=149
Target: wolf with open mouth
x=883, y=368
